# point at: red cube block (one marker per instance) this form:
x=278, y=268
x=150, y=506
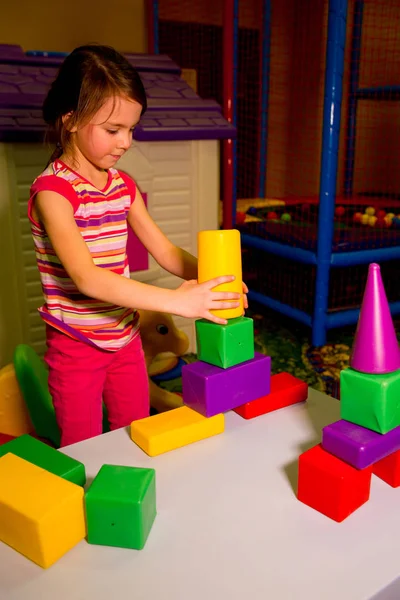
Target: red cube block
x=285, y=390
x=388, y=469
x=331, y=486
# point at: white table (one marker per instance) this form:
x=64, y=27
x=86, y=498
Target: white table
x=229, y=526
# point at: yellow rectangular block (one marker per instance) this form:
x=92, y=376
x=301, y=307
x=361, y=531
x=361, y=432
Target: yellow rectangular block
x=14, y=416
x=174, y=429
x=41, y=515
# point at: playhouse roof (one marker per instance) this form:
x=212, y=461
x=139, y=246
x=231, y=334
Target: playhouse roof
x=175, y=111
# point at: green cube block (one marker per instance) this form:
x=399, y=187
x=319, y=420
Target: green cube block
x=42, y=455
x=372, y=401
x=225, y=345
x=121, y=506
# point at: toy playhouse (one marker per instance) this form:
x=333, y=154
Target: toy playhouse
x=174, y=159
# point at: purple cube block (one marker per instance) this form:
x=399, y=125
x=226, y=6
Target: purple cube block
x=358, y=446
x=210, y=390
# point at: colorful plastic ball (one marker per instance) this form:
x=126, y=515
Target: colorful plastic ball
x=388, y=220
x=240, y=218
x=372, y=221
x=252, y=211
x=380, y=214
x=390, y=215
x=340, y=211
x=370, y=211
x=381, y=222
x=286, y=218
x=357, y=217
x=365, y=219
x=271, y=216
x=396, y=222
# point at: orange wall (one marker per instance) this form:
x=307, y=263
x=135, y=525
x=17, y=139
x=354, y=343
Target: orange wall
x=377, y=148
x=209, y=12
x=279, y=109
x=298, y=49
x=305, y=99
x=48, y=25
x=378, y=128
x=296, y=80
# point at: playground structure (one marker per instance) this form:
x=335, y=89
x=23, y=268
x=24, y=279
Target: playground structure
x=311, y=181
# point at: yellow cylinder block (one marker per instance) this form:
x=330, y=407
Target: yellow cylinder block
x=219, y=254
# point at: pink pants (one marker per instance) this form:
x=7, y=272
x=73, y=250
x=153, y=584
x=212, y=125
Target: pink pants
x=81, y=377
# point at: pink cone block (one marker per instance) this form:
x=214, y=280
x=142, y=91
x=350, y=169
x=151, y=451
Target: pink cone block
x=375, y=348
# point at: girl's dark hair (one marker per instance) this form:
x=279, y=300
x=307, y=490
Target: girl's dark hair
x=87, y=78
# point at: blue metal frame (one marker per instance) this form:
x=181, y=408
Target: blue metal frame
x=381, y=92
x=353, y=96
x=364, y=257
x=349, y=317
x=265, y=71
x=285, y=309
x=324, y=258
x=297, y=254
x=308, y=257
x=156, y=28
x=329, y=162
x=235, y=94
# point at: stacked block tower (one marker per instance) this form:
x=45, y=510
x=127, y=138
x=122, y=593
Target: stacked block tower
x=335, y=476
x=229, y=374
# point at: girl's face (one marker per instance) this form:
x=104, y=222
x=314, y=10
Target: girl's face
x=109, y=134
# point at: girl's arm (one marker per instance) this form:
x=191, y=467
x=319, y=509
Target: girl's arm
x=189, y=300
x=171, y=258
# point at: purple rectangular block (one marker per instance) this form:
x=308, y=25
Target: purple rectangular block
x=358, y=446
x=210, y=390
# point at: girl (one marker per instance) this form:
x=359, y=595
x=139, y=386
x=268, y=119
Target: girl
x=79, y=209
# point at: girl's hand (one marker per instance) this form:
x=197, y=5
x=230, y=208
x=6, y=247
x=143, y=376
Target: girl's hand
x=245, y=291
x=196, y=300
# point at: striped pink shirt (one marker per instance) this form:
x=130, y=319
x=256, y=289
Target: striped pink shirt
x=101, y=218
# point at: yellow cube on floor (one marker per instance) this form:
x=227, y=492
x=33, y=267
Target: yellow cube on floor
x=41, y=515
x=174, y=429
x=14, y=416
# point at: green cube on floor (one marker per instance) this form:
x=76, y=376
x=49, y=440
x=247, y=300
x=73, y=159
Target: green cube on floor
x=225, y=345
x=42, y=455
x=372, y=401
x=121, y=506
